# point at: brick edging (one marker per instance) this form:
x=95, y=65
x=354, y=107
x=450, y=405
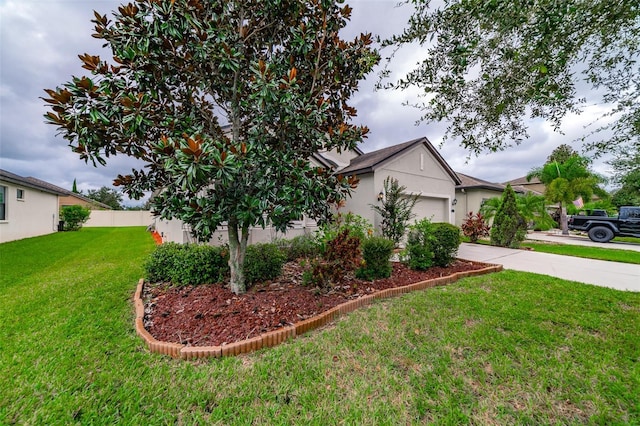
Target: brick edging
x=274, y=338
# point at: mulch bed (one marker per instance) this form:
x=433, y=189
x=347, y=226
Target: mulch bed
x=211, y=315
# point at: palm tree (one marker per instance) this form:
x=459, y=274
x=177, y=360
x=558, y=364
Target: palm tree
x=566, y=182
x=531, y=206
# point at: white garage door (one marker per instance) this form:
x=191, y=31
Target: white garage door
x=434, y=209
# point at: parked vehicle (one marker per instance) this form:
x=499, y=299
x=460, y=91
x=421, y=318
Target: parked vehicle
x=594, y=212
x=602, y=229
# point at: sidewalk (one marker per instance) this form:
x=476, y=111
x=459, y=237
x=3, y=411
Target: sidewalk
x=619, y=276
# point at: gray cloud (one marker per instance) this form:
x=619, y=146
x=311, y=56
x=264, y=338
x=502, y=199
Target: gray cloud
x=41, y=41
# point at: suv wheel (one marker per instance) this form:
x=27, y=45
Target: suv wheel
x=600, y=234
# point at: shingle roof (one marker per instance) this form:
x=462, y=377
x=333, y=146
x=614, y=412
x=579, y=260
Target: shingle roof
x=27, y=182
x=469, y=182
x=68, y=193
x=472, y=182
x=523, y=181
x=370, y=161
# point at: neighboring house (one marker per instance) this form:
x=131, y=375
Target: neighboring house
x=473, y=192
x=70, y=198
x=534, y=185
x=416, y=164
x=27, y=208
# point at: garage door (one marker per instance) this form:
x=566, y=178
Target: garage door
x=434, y=209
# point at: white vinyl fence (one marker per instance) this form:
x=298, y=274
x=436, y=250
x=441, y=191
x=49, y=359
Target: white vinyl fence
x=119, y=218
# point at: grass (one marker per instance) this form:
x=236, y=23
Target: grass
x=507, y=348
x=612, y=255
x=599, y=253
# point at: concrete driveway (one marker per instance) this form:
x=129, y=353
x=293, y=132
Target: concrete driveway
x=620, y=276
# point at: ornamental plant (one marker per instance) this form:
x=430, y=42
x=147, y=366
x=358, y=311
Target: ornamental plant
x=395, y=210
x=444, y=243
x=418, y=253
x=509, y=227
x=74, y=217
x=376, y=255
x=222, y=103
x=475, y=227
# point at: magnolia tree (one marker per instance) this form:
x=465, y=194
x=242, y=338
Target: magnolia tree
x=277, y=72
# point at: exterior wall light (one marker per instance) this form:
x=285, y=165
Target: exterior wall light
x=454, y=201
x=381, y=196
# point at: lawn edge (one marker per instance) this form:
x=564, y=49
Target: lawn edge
x=276, y=337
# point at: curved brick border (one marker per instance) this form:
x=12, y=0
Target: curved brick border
x=276, y=337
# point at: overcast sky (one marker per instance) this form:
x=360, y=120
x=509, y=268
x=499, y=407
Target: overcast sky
x=40, y=41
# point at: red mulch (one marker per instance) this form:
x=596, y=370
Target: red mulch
x=211, y=315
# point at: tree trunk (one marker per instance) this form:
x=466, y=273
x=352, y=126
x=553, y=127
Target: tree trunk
x=237, y=251
x=564, y=225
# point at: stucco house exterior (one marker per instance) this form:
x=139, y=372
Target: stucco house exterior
x=70, y=198
x=27, y=209
x=473, y=192
x=416, y=164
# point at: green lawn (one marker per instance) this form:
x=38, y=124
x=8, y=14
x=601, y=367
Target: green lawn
x=507, y=348
x=612, y=255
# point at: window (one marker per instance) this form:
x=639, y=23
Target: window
x=3, y=203
x=20, y=194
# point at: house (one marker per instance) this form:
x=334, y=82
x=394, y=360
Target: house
x=534, y=185
x=27, y=208
x=473, y=192
x=416, y=165
x=70, y=198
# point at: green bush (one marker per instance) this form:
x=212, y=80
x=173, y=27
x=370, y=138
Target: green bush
x=418, y=253
x=509, y=227
x=445, y=243
x=184, y=264
x=263, y=262
x=376, y=252
x=356, y=225
x=299, y=247
x=74, y=217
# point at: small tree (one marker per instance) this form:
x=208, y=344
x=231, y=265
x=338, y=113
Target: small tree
x=509, y=227
x=107, y=196
x=276, y=71
x=396, y=210
x=74, y=217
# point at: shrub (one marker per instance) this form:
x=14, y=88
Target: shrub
x=184, y=264
x=509, y=227
x=418, y=253
x=376, y=252
x=445, y=243
x=475, y=227
x=263, y=262
x=341, y=256
x=356, y=225
x=298, y=247
x=74, y=217
x=395, y=211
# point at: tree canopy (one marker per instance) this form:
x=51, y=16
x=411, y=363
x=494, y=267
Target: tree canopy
x=108, y=196
x=566, y=181
x=489, y=66
x=277, y=72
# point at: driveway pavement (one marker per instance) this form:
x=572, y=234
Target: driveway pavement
x=620, y=276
